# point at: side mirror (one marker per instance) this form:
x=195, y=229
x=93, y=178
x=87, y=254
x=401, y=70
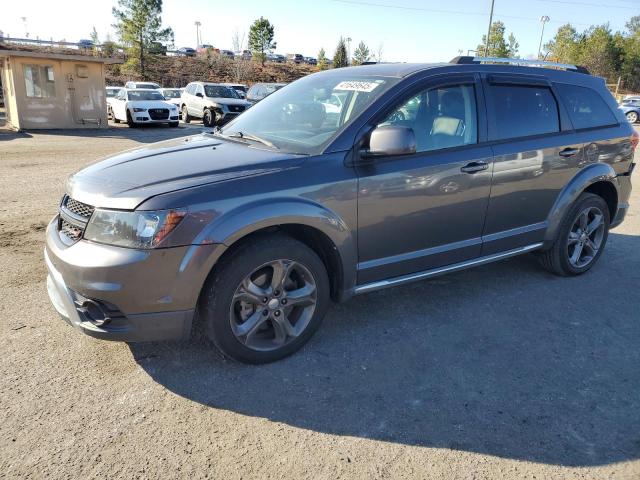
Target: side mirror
x=390, y=140
x=199, y=95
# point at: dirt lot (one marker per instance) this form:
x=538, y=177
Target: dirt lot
x=499, y=372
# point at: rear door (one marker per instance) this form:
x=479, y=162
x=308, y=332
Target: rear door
x=536, y=152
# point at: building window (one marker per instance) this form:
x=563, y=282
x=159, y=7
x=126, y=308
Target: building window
x=39, y=81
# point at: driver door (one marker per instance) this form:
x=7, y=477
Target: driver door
x=425, y=210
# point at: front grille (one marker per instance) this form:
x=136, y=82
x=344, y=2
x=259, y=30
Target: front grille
x=73, y=219
x=70, y=231
x=236, y=108
x=159, y=113
x=77, y=207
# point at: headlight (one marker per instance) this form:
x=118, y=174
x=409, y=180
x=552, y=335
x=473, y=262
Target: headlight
x=136, y=109
x=132, y=229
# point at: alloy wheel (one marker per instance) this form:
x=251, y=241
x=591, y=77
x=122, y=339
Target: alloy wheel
x=585, y=237
x=632, y=117
x=273, y=305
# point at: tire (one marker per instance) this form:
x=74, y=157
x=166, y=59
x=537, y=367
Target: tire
x=226, y=314
x=109, y=114
x=208, y=119
x=632, y=117
x=560, y=259
x=186, y=118
x=174, y=124
x=130, y=121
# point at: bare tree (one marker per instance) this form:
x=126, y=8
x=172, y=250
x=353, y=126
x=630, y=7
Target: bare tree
x=237, y=41
x=378, y=55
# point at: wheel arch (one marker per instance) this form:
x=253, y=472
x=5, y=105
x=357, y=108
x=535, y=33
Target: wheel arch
x=597, y=178
x=312, y=224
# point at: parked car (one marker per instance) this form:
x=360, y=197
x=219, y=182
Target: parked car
x=186, y=52
x=227, y=53
x=240, y=88
x=111, y=93
x=85, y=43
x=251, y=229
x=276, y=58
x=630, y=98
x=295, y=58
x=631, y=109
x=310, y=61
x=173, y=95
x=142, y=106
x=214, y=103
x=157, y=48
x=144, y=85
x=259, y=91
x=244, y=55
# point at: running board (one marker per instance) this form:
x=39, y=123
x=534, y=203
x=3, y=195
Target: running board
x=412, y=277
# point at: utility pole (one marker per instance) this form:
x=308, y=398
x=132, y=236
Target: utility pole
x=348, y=50
x=544, y=19
x=198, y=39
x=486, y=49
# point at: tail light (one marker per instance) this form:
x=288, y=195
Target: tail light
x=635, y=138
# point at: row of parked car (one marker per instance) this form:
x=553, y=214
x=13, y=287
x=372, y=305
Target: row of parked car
x=214, y=103
x=245, y=55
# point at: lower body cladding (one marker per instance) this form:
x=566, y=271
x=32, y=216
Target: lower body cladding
x=124, y=294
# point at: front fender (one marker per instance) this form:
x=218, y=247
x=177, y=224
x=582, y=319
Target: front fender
x=596, y=172
x=235, y=224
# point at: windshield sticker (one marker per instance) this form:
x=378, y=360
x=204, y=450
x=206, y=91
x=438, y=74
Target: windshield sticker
x=356, y=86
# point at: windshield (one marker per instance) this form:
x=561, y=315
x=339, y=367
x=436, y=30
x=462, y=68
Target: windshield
x=112, y=92
x=134, y=96
x=220, y=91
x=172, y=93
x=306, y=116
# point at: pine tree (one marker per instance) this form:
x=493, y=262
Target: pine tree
x=340, y=57
x=323, y=62
x=362, y=54
x=261, y=35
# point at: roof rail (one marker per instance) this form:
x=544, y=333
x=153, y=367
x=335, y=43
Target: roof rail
x=463, y=60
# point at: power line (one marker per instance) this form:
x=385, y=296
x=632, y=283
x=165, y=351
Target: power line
x=586, y=4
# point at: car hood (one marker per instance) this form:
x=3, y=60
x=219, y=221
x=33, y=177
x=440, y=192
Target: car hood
x=149, y=104
x=126, y=180
x=628, y=108
x=229, y=101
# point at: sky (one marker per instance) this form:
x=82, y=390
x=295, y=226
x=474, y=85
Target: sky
x=405, y=30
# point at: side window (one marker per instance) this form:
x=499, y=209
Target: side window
x=39, y=81
x=441, y=117
x=522, y=111
x=586, y=107
x=189, y=89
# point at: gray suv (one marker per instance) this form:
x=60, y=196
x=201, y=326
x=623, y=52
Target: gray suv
x=343, y=182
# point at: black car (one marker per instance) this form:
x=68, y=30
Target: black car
x=259, y=91
x=186, y=52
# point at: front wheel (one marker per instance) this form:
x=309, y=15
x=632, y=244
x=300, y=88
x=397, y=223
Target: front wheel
x=186, y=118
x=208, y=120
x=632, y=117
x=581, y=237
x=266, y=300
x=130, y=121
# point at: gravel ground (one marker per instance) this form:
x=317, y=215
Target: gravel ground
x=503, y=371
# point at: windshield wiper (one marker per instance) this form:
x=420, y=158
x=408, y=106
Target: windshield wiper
x=254, y=138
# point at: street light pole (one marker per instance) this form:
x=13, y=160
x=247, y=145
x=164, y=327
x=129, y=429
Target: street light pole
x=544, y=19
x=486, y=49
x=198, y=39
x=348, y=50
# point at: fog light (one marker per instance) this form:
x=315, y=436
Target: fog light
x=93, y=312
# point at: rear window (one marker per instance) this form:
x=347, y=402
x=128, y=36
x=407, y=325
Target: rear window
x=522, y=111
x=586, y=107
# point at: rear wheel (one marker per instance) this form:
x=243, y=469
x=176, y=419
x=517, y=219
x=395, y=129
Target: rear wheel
x=632, y=117
x=186, y=118
x=266, y=300
x=581, y=238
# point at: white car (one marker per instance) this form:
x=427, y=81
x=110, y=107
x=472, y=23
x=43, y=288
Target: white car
x=142, y=106
x=148, y=85
x=172, y=95
x=111, y=93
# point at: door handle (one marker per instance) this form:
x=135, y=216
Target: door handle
x=569, y=152
x=474, y=167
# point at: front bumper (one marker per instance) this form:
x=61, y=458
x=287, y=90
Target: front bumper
x=147, y=295
x=144, y=118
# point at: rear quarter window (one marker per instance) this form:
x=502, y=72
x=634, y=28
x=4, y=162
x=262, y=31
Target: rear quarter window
x=587, y=109
x=522, y=111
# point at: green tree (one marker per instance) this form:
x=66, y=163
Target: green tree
x=340, y=57
x=498, y=46
x=261, y=35
x=139, y=25
x=629, y=46
x=565, y=46
x=361, y=54
x=323, y=62
x=599, y=52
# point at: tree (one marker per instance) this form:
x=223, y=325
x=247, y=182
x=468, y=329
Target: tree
x=498, y=46
x=261, y=35
x=378, y=54
x=340, y=57
x=599, y=53
x=323, y=63
x=564, y=46
x=237, y=41
x=361, y=54
x=139, y=26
